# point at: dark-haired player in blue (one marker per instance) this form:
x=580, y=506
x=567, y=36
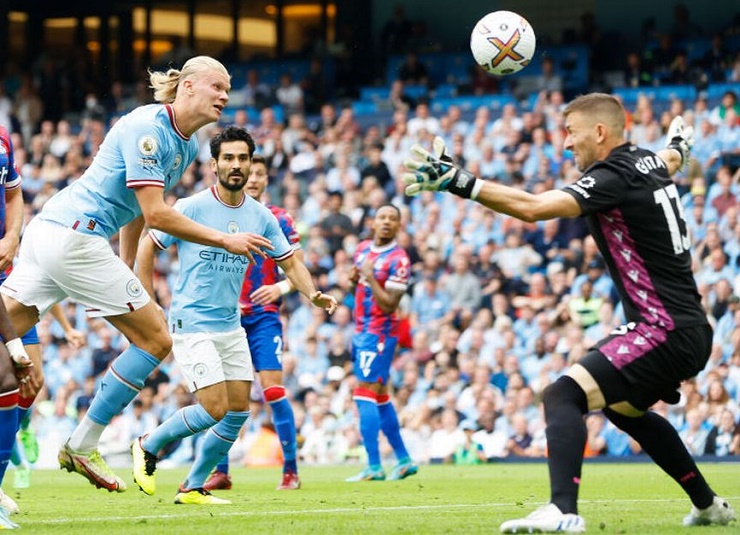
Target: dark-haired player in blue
x=259, y=304
x=634, y=213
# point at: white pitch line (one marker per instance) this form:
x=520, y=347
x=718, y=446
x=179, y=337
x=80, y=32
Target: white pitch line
x=209, y=511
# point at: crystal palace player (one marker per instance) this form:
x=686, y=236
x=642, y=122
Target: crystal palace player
x=259, y=303
x=381, y=271
x=634, y=213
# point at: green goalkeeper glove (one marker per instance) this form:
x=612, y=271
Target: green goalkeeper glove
x=680, y=138
x=437, y=172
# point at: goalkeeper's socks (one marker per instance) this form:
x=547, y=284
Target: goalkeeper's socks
x=661, y=441
x=223, y=465
x=214, y=446
x=120, y=384
x=565, y=404
x=8, y=426
x=390, y=426
x=183, y=423
x=367, y=407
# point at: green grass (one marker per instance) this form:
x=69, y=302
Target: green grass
x=615, y=498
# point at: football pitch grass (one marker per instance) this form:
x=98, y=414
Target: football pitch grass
x=615, y=498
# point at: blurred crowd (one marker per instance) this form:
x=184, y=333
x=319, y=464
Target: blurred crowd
x=497, y=308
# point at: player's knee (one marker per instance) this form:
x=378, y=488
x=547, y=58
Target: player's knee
x=217, y=409
x=564, y=391
x=274, y=393
x=8, y=382
x=158, y=345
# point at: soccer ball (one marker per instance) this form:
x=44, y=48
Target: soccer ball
x=502, y=42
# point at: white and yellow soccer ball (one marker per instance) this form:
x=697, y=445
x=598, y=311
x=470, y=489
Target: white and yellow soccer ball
x=503, y=42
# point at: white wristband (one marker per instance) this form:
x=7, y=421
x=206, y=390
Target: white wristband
x=284, y=287
x=476, y=188
x=16, y=350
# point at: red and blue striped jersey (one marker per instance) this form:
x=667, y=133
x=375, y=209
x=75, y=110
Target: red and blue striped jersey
x=10, y=178
x=265, y=270
x=391, y=269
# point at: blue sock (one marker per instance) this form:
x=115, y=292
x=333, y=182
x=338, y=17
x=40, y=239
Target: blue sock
x=214, y=446
x=183, y=423
x=282, y=417
x=8, y=426
x=392, y=430
x=223, y=465
x=369, y=428
x=121, y=383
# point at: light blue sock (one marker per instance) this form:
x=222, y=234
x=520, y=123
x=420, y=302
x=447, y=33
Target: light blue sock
x=185, y=422
x=214, y=446
x=282, y=417
x=8, y=426
x=369, y=429
x=121, y=383
x=392, y=430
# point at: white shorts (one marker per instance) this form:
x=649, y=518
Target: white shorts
x=57, y=262
x=207, y=359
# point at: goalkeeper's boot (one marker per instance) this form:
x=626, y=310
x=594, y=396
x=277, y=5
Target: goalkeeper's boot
x=145, y=464
x=403, y=470
x=8, y=503
x=218, y=481
x=198, y=497
x=30, y=444
x=290, y=481
x=546, y=519
x=91, y=466
x=368, y=474
x=5, y=521
x=720, y=512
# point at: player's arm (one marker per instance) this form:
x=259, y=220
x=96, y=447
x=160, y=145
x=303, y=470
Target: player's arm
x=436, y=172
x=387, y=300
x=270, y=293
x=145, y=264
x=159, y=215
x=128, y=240
x=13, y=225
x=300, y=277
x=75, y=338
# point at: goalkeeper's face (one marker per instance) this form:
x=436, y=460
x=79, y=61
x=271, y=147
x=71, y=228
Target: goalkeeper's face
x=581, y=139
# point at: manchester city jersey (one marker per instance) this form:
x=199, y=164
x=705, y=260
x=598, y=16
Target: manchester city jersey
x=206, y=294
x=144, y=148
x=633, y=210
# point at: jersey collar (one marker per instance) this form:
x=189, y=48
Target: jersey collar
x=383, y=248
x=214, y=190
x=171, y=114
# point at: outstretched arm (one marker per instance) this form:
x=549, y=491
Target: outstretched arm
x=299, y=275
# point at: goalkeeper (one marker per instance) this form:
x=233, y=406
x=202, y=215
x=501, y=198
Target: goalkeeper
x=633, y=211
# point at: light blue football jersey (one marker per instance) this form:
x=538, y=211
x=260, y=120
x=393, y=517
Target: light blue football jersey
x=206, y=294
x=144, y=148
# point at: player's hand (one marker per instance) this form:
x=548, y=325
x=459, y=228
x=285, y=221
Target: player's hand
x=247, y=244
x=436, y=172
x=75, y=338
x=8, y=249
x=264, y=295
x=366, y=269
x=325, y=301
x=680, y=138
x=18, y=353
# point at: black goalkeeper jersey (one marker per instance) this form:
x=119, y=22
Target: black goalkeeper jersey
x=634, y=213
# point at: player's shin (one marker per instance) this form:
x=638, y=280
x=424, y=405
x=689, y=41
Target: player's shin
x=282, y=416
x=565, y=404
x=215, y=445
x=8, y=425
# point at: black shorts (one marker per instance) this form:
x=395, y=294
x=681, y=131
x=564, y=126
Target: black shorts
x=641, y=363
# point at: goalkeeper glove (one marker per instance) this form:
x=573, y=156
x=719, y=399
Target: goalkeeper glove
x=436, y=172
x=680, y=138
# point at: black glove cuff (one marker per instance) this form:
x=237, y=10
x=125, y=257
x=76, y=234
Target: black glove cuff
x=462, y=184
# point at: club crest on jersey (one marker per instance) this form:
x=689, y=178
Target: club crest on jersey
x=232, y=227
x=147, y=145
x=133, y=288
x=177, y=162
